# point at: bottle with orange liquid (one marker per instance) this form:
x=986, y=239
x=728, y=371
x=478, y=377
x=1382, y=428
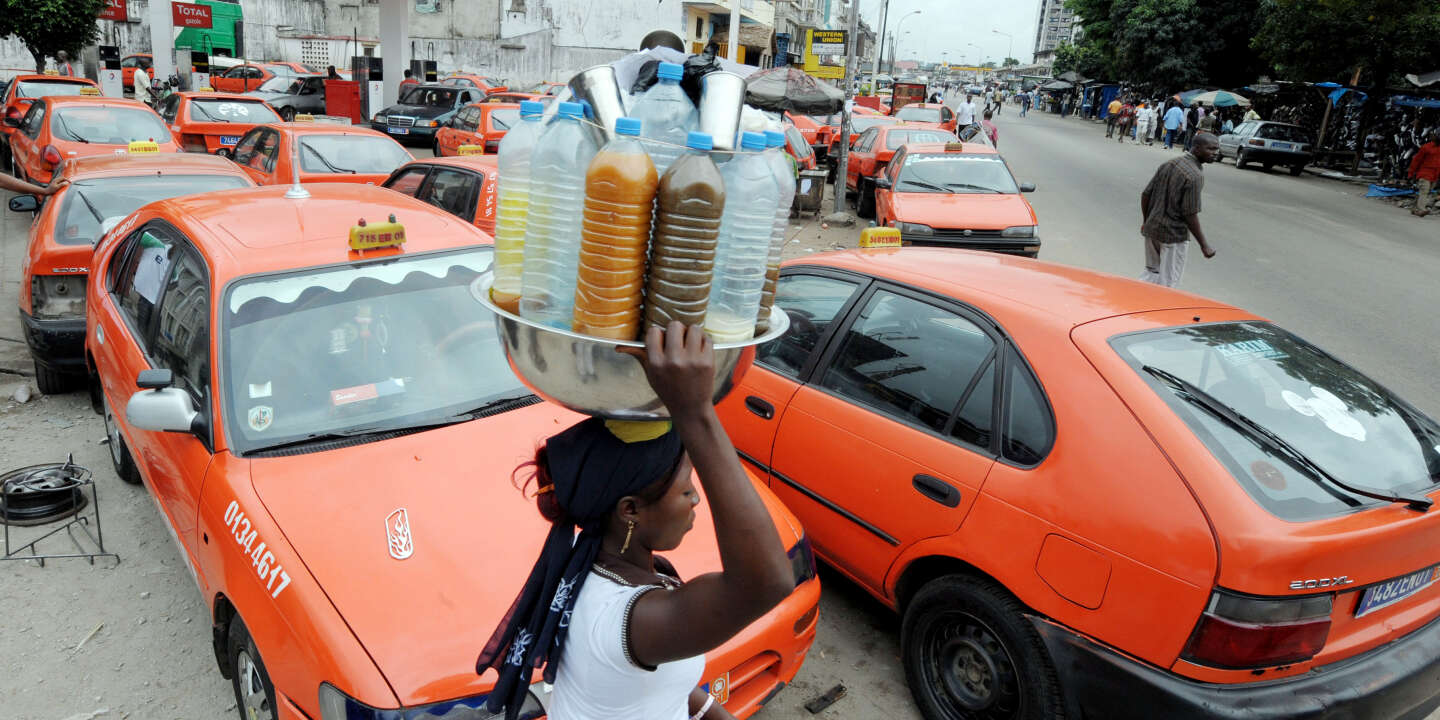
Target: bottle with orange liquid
x=620, y=189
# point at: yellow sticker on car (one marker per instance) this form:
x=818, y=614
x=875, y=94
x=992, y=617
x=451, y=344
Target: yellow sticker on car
x=143, y=147
x=470, y=150
x=880, y=237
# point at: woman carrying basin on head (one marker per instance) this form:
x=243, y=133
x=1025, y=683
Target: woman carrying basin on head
x=615, y=630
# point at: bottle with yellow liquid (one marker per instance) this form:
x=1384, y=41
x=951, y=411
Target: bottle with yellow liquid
x=615, y=232
x=514, y=207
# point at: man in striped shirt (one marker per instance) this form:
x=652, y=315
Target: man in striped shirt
x=1170, y=208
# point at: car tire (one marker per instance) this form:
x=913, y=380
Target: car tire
x=120, y=456
x=865, y=203
x=1296, y=170
x=254, y=693
x=1240, y=160
x=51, y=381
x=970, y=654
x=287, y=114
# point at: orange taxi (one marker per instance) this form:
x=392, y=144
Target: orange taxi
x=330, y=435
x=549, y=87
x=871, y=153
x=247, y=77
x=956, y=195
x=481, y=125
x=213, y=122
x=505, y=96
x=130, y=63
x=465, y=186
x=1093, y=497
x=58, y=128
x=23, y=90
x=859, y=123
x=325, y=153
x=103, y=188
x=799, y=148
x=933, y=114
x=816, y=129
x=485, y=83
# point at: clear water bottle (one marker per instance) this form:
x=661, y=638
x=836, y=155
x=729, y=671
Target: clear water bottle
x=666, y=114
x=784, y=171
x=514, y=162
x=746, y=229
x=552, y=236
x=615, y=234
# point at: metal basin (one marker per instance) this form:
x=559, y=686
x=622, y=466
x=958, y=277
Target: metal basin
x=588, y=375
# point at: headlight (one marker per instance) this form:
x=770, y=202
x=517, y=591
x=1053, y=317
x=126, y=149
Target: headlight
x=1018, y=231
x=433, y=123
x=336, y=705
x=57, y=297
x=915, y=228
x=381, y=119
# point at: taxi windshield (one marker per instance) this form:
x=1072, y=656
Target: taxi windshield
x=1339, y=419
x=43, y=88
x=360, y=348
x=429, y=97
x=895, y=138
x=505, y=118
x=350, y=154
x=86, y=204
x=107, y=125
x=238, y=111
x=955, y=173
x=918, y=114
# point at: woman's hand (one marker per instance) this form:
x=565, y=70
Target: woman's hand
x=680, y=365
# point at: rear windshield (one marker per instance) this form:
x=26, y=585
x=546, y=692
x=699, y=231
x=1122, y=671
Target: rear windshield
x=895, y=138
x=1284, y=133
x=861, y=123
x=107, y=125
x=918, y=114
x=798, y=145
x=505, y=118
x=1338, y=418
x=43, y=88
x=350, y=154
x=238, y=111
x=87, y=203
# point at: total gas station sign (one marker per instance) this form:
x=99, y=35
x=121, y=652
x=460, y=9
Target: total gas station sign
x=190, y=15
x=115, y=10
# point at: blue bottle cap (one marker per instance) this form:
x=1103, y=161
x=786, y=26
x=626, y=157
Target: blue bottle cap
x=752, y=141
x=670, y=71
x=573, y=110
x=627, y=126
x=530, y=107
x=774, y=138
x=699, y=141
x=589, y=111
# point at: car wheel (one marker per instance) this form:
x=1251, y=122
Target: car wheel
x=970, y=654
x=119, y=452
x=1240, y=160
x=254, y=693
x=287, y=114
x=1296, y=170
x=51, y=381
x=865, y=204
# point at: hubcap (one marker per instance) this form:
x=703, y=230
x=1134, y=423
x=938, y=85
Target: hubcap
x=971, y=669
x=256, y=704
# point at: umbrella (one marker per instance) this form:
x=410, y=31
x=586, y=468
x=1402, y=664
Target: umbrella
x=1072, y=76
x=1218, y=98
x=1057, y=85
x=788, y=88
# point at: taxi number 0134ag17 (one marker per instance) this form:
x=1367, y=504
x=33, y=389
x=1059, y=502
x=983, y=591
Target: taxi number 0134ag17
x=260, y=558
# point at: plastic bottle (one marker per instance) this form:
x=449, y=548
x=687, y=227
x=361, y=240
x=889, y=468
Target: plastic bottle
x=687, y=224
x=514, y=161
x=552, y=235
x=666, y=114
x=615, y=232
x=784, y=172
x=746, y=228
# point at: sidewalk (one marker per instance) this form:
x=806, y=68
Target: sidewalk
x=14, y=355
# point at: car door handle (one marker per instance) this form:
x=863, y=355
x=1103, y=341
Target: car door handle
x=937, y=490
x=760, y=407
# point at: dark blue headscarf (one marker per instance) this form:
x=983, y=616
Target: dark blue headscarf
x=591, y=469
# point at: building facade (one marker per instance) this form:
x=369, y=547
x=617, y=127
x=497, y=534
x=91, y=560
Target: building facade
x=1056, y=25
x=708, y=21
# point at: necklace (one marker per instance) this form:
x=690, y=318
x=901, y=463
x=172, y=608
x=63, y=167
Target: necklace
x=667, y=582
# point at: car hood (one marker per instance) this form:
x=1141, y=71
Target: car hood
x=964, y=211
x=419, y=111
x=474, y=538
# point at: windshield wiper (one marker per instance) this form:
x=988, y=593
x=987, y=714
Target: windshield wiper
x=929, y=186
x=491, y=407
x=201, y=108
x=974, y=187
x=70, y=132
x=328, y=164
x=1270, y=441
x=91, y=206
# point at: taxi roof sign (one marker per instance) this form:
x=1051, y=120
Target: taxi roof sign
x=303, y=117
x=52, y=72
x=143, y=147
x=379, y=235
x=880, y=237
x=470, y=150
x=954, y=147
x=87, y=90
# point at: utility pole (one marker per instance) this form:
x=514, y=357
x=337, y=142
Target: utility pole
x=875, y=63
x=851, y=72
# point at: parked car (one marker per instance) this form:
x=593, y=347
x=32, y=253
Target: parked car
x=213, y=122
x=872, y=151
x=60, y=127
x=291, y=96
x=1270, y=144
x=935, y=114
x=958, y=195
x=422, y=110
x=24, y=89
x=482, y=125
x=330, y=435
x=1093, y=497
x=859, y=123
x=248, y=77
x=799, y=148
x=484, y=83
x=130, y=63
x=324, y=153
x=103, y=189
x=465, y=186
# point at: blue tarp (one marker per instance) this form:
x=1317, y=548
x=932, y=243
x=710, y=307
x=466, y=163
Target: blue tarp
x=1385, y=191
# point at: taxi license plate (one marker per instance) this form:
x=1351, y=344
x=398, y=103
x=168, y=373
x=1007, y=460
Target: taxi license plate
x=229, y=139
x=399, y=131
x=1393, y=591
x=1282, y=146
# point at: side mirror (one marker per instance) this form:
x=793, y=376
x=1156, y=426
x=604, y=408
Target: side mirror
x=24, y=203
x=12, y=122
x=883, y=182
x=1027, y=187
x=159, y=407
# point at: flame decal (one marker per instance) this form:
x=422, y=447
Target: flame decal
x=397, y=532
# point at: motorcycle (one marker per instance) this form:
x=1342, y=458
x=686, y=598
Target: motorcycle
x=159, y=91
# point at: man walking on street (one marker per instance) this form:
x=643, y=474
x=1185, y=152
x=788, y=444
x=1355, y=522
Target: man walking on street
x=1425, y=168
x=1174, y=118
x=1170, y=212
x=1127, y=118
x=1144, y=123
x=1112, y=116
x=965, y=112
x=1192, y=124
x=1209, y=123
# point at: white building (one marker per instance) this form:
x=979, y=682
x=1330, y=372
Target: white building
x=1057, y=24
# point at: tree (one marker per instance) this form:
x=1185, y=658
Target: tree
x=1170, y=43
x=49, y=26
x=1083, y=57
x=1317, y=40
x=1010, y=62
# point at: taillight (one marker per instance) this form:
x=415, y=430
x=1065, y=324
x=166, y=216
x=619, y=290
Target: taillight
x=51, y=155
x=1243, y=632
x=1258, y=143
x=492, y=146
x=194, y=143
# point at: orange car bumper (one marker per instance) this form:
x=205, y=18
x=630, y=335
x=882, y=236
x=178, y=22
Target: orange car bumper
x=755, y=665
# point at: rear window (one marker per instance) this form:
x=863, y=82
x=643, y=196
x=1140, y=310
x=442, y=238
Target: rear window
x=798, y=145
x=107, y=125
x=350, y=154
x=918, y=114
x=1283, y=133
x=1341, y=420
x=44, y=88
x=896, y=138
x=238, y=111
x=505, y=118
x=88, y=203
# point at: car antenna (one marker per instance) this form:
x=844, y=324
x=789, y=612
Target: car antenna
x=296, y=192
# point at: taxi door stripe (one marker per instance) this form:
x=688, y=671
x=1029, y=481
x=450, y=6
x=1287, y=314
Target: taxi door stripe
x=807, y=492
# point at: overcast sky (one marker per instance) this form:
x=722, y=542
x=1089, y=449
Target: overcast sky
x=950, y=26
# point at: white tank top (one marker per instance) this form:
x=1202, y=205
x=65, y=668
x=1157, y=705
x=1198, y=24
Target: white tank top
x=597, y=680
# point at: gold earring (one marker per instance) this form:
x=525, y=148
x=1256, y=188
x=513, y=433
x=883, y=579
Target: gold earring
x=628, y=531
